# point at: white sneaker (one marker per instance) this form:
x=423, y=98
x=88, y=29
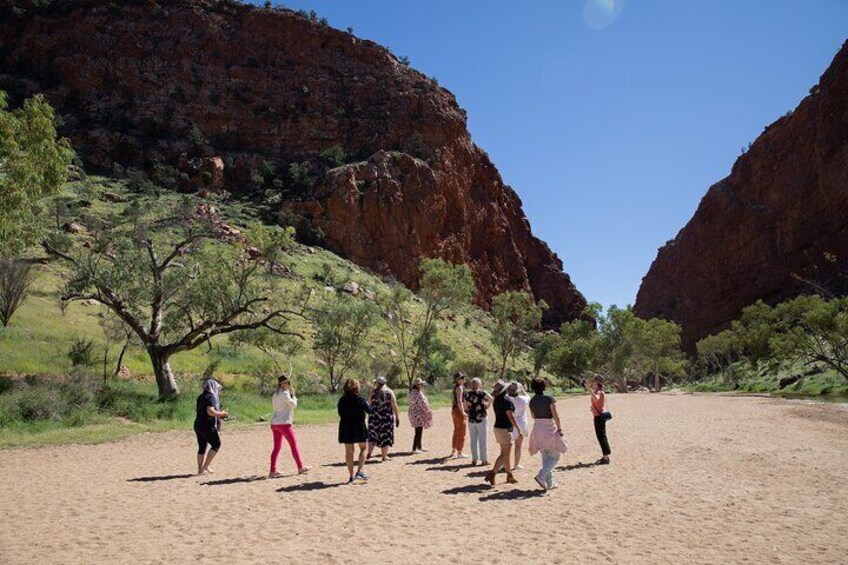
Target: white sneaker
x=553, y=485
x=540, y=482
x=461, y=456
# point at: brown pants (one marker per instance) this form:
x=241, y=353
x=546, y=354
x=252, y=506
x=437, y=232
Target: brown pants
x=458, y=429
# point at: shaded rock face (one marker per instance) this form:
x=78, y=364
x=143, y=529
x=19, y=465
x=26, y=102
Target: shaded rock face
x=780, y=218
x=194, y=85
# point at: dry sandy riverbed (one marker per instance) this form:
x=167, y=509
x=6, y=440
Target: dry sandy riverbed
x=694, y=479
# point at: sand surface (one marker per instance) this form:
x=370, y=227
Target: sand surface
x=694, y=479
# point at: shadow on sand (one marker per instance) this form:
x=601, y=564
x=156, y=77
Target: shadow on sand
x=160, y=478
x=305, y=487
x=515, y=494
x=431, y=461
x=451, y=468
x=468, y=489
x=235, y=480
x=578, y=465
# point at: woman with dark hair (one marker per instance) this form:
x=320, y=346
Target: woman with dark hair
x=353, y=410
x=598, y=408
x=207, y=424
x=458, y=415
x=284, y=402
x=385, y=416
x=547, y=433
x=420, y=414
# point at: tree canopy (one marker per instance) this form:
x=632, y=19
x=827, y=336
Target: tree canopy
x=33, y=164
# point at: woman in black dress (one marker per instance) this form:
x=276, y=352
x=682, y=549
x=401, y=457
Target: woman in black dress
x=352, y=410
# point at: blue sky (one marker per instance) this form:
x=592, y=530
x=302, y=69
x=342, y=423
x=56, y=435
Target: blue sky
x=610, y=119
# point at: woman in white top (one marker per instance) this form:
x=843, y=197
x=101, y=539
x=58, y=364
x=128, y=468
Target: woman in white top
x=520, y=401
x=284, y=401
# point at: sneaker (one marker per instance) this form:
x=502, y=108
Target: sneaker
x=518, y=468
x=361, y=476
x=540, y=482
x=602, y=461
x=552, y=485
x=461, y=456
x=304, y=469
x=274, y=475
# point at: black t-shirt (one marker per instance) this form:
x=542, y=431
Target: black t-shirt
x=502, y=405
x=204, y=401
x=540, y=406
x=476, y=408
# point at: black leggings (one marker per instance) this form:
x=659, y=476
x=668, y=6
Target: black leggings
x=207, y=437
x=416, y=441
x=601, y=434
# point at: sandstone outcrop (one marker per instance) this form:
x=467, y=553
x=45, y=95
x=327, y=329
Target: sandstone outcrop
x=279, y=107
x=779, y=219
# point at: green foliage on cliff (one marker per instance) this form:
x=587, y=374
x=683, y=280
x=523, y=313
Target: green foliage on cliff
x=799, y=338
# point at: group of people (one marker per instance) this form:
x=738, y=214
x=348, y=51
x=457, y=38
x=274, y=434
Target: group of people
x=369, y=424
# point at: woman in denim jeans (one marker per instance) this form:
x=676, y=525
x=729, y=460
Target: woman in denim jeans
x=477, y=402
x=547, y=437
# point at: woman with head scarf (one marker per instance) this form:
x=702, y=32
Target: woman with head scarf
x=284, y=401
x=207, y=424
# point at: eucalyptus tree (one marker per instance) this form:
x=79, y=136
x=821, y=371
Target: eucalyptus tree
x=33, y=164
x=442, y=287
x=516, y=316
x=177, y=280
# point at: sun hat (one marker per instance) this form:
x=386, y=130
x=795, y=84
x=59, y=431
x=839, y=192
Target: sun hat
x=419, y=382
x=500, y=387
x=283, y=379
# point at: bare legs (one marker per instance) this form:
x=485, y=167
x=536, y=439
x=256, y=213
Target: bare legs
x=349, y=452
x=502, y=462
x=518, y=443
x=203, y=466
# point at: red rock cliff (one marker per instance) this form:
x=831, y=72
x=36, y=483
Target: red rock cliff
x=781, y=210
x=149, y=85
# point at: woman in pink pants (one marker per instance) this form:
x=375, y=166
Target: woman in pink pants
x=285, y=401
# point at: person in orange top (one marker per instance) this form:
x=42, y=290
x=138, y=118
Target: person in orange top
x=458, y=413
x=598, y=408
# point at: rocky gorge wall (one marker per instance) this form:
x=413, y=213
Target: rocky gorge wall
x=779, y=219
x=250, y=100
